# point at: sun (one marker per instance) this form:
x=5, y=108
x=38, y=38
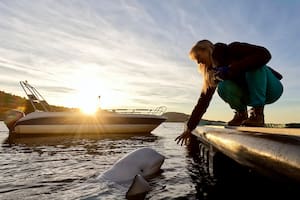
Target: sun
x=88, y=109
x=92, y=91
x=87, y=102
x=92, y=94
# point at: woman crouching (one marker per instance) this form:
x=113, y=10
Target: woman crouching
x=239, y=73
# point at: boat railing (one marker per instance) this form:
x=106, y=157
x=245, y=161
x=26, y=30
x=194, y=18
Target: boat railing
x=156, y=111
x=36, y=99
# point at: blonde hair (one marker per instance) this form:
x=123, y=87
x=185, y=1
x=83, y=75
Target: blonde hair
x=205, y=69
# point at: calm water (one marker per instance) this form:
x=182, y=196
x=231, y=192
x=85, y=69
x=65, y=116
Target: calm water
x=67, y=167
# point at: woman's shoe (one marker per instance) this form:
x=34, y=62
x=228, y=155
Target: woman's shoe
x=238, y=118
x=256, y=118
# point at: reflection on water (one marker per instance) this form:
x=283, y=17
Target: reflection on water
x=67, y=167
x=85, y=145
x=51, y=140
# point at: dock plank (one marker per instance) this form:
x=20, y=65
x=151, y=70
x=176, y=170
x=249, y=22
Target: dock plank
x=279, y=131
x=270, y=152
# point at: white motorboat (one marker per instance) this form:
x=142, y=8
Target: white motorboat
x=103, y=121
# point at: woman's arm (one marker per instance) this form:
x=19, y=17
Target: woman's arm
x=196, y=115
x=200, y=108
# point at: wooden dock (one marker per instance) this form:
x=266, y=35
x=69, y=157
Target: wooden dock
x=271, y=151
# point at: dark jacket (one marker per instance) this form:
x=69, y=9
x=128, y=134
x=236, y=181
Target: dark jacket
x=240, y=57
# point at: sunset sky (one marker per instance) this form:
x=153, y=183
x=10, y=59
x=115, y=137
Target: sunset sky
x=135, y=53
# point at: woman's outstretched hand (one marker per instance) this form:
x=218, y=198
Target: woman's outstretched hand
x=184, y=138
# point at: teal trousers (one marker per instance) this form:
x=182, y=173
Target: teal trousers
x=261, y=88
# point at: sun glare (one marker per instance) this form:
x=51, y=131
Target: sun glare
x=87, y=102
x=91, y=95
x=88, y=109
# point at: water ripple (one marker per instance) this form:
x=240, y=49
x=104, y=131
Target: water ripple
x=67, y=167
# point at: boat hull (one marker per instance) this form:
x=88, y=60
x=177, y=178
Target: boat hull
x=77, y=123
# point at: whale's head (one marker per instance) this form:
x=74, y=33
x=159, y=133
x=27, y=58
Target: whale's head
x=144, y=161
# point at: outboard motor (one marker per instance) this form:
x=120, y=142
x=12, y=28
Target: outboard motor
x=12, y=116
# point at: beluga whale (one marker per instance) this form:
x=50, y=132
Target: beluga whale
x=132, y=171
